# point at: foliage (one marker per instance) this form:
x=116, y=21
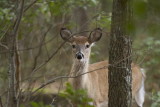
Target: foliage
x=150, y=45
x=78, y=97
x=59, y=7
x=140, y=8
x=6, y=15
x=34, y=104
x=102, y=20
x=37, y=104
x=156, y=99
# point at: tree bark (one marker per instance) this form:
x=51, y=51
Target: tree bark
x=13, y=59
x=120, y=74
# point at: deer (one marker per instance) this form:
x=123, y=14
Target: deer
x=96, y=83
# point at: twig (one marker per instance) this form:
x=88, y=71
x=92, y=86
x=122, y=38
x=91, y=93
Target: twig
x=60, y=77
x=34, y=47
x=44, y=63
x=6, y=31
x=40, y=48
x=6, y=47
x=37, y=56
x=30, y=5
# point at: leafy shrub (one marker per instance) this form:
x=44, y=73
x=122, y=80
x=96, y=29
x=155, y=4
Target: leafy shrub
x=78, y=97
x=37, y=104
x=156, y=99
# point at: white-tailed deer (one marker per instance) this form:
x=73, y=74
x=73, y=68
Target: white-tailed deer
x=96, y=83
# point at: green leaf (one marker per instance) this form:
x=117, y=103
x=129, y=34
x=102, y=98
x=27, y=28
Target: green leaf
x=34, y=104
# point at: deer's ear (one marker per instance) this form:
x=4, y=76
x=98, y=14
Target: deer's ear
x=95, y=35
x=66, y=34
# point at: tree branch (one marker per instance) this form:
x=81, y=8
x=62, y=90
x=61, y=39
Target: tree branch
x=30, y=5
x=60, y=77
x=12, y=94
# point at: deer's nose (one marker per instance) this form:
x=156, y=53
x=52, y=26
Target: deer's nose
x=79, y=55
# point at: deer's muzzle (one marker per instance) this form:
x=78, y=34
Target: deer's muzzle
x=79, y=56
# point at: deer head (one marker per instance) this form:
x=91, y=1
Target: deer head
x=81, y=45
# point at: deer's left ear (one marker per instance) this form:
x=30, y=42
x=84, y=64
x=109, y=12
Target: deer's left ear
x=95, y=35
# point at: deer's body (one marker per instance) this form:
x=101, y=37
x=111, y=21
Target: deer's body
x=96, y=82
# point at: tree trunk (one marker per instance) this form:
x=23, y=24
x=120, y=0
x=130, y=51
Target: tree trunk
x=120, y=74
x=13, y=59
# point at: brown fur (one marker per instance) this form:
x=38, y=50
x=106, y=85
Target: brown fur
x=80, y=39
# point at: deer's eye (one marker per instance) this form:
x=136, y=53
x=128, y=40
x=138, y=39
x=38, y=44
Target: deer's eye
x=87, y=46
x=73, y=46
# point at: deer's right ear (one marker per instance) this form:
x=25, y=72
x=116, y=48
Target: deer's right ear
x=66, y=34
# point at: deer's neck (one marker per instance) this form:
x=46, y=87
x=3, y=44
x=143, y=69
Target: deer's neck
x=78, y=69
